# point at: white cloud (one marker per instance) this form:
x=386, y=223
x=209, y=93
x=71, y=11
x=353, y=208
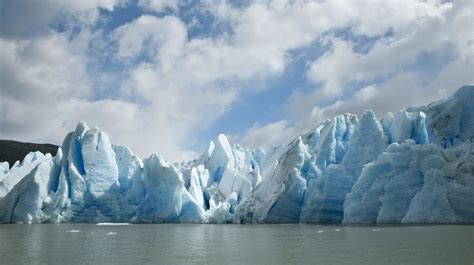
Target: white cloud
x=172, y=86
x=158, y=5
x=28, y=17
x=429, y=29
x=269, y=134
x=156, y=37
x=46, y=89
x=45, y=67
x=341, y=65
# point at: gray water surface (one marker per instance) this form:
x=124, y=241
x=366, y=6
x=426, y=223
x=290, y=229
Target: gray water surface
x=235, y=244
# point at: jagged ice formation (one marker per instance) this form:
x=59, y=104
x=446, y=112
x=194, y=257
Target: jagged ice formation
x=414, y=166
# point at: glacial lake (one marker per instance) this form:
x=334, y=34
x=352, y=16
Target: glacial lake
x=235, y=244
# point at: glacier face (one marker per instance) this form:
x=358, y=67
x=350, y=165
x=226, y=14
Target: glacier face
x=413, y=166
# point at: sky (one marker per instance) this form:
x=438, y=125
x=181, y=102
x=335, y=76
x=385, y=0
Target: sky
x=168, y=76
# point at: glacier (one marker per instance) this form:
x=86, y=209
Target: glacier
x=413, y=166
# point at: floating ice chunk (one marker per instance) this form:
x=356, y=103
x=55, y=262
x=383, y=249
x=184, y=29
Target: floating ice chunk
x=113, y=224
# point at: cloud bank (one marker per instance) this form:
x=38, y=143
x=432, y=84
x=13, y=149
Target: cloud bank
x=158, y=80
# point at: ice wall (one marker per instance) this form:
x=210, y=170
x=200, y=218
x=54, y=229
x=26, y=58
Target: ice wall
x=414, y=166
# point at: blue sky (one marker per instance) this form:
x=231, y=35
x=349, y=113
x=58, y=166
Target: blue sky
x=168, y=76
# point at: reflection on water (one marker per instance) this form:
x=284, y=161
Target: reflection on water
x=234, y=244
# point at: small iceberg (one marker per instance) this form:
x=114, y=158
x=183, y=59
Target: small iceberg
x=111, y=233
x=113, y=223
x=73, y=231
